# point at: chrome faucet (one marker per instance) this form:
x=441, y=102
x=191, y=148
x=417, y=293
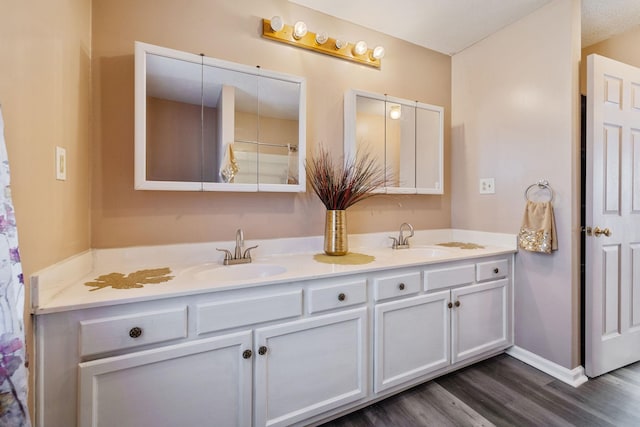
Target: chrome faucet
x=239, y=243
x=402, y=241
x=239, y=255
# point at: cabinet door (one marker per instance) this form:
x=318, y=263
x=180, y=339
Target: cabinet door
x=411, y=339
x=201, y=383
x=309, y=366
x=479, y=319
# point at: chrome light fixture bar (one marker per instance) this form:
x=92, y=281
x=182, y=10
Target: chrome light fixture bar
x=298, y=35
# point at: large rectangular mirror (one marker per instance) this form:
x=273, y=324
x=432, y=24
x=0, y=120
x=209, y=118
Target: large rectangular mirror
x=406, y=135
x=203, y=124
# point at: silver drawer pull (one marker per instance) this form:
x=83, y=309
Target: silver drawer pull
x=135, y=332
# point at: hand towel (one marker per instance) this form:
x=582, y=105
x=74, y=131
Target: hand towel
x=229, y=167
x=538, y=231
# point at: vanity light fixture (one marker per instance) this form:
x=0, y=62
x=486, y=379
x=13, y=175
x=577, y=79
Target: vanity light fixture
x=321, y=37
x=360, y=48
x=378, y=52
x=341, y=44
x=395, y=112
x=298, y=35
x=277, y=24
x=299, y=30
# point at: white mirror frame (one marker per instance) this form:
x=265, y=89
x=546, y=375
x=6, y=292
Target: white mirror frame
x=140, y=175
x=350, y=143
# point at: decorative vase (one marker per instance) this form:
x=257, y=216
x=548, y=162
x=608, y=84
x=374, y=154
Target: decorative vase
x=335, y=233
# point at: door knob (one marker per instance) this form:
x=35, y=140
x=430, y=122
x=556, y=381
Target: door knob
x=597, y=231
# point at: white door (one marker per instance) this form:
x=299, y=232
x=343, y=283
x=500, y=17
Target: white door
x=612, y=294
x=308, y=366
x=199, y=383
x=479, y=319
x=411, y=339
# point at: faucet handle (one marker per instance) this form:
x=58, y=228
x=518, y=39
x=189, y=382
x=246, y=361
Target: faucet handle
x=395, y=242
x=247, y=253
x=227, y=254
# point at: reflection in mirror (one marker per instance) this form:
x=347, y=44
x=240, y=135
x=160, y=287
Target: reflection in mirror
x=428, y=132
x=370, y=127
x=212, y=125
x=400, y=144
x=173, y=104
x=406, y=135
x=267, y=134
x=226, y=92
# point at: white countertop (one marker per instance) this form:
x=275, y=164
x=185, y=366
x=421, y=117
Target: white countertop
x=61, y=287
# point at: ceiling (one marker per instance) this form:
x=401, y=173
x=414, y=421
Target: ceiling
x=450, y=26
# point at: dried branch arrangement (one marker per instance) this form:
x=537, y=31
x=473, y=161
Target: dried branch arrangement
x=340, y=185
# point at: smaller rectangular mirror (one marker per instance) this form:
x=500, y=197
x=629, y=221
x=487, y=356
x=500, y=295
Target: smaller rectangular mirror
x=406, y=135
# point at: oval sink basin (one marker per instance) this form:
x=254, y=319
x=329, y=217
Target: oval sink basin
x=217, y=273
x=425, y=252
x=429, y=252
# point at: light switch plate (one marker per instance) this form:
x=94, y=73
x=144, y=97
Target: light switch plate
x=61, y=164
x=487, y=185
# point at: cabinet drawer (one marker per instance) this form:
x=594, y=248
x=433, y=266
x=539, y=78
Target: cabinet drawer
x=322, y=298
x=220, y=315
x=397, y=285
x=122, y=332
x=492, y=270
x=447, y=277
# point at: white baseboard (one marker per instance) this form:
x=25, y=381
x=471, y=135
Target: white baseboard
x=573, y=377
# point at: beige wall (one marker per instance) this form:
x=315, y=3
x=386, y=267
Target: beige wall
x=44, y=92
x=515, y=118
x=231, y=31
x=623, y=48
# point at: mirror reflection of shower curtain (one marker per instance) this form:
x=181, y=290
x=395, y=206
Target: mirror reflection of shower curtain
x=13, y=374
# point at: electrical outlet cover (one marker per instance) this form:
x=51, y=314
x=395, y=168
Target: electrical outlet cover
x=61, y=164
x=487, y=185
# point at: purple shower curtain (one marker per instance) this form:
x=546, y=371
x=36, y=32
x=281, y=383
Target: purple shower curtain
x=13, y=374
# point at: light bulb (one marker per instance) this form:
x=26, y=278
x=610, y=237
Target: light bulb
x=378, y=52
x=360, y=48
x=299, y=30
x=321, y=37
x=276, y=23
x=341, y=43
x=395, y=112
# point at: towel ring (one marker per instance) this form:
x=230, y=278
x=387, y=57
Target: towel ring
x=543, y=184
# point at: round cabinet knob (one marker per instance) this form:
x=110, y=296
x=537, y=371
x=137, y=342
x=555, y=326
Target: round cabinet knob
x=262, y=350
x=247, y=354
x=457, y=303
x=401, y=286
x=135, y=332
x=496, y=270
x=342, y=297
x=450, y=305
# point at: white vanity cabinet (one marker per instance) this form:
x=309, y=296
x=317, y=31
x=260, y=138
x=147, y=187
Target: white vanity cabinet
x=282, y=354
x=464, y=312
x=236, y=358
x=411, y=340
x=307, y=367
x=199, y=383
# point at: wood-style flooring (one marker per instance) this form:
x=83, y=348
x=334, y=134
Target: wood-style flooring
x=503, y=391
